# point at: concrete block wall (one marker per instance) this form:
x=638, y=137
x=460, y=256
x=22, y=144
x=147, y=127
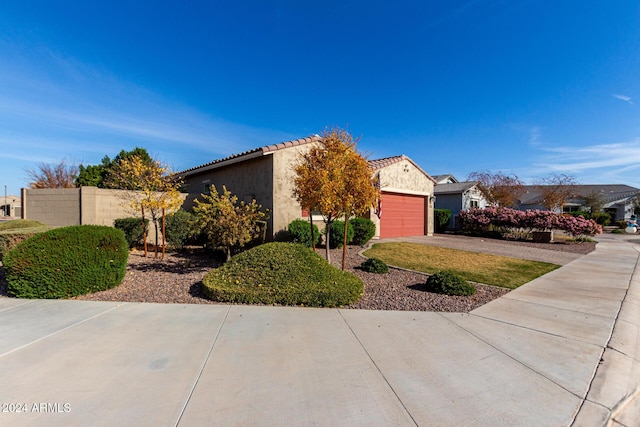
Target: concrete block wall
x=56, y=207
x=59, y=207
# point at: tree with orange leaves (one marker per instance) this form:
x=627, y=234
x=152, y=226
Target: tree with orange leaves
x=334, y=179
x=155, y=191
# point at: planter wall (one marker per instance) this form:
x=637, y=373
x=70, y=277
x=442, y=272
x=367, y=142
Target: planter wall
x=542, y=236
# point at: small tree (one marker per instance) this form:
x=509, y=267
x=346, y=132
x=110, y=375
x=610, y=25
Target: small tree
x=555, y=190
x=105, y=174
x=334, y=179
x=47, y=175
x=226, y=222
x=152, y=190
x=499, y=189
x=594, y=201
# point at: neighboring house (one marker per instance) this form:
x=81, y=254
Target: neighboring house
x=618, y=200
x=266, y=174
x=457, y=196
x=10, y=206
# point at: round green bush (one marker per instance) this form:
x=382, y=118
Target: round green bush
x=449, y=283
x=178, y=229
x=363, y=230
x=14, y=232
x=16, y=224
x=66, y=262
x=282, y=273
x=442, y=218
x=300, y=232
x=132, y=228
x=374, y=265
x=336, y=238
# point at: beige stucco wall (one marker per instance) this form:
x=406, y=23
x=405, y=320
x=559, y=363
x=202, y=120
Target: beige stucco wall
x=59, y=207
x=404, y=177
x=286, y=208
x=56, y=207
x=250, y=179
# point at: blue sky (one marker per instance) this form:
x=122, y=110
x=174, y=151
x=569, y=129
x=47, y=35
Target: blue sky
x=522, y=87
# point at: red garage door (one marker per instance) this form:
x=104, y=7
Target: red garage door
x=402, y=215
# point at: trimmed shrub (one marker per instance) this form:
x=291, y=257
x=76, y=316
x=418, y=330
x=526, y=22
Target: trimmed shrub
x=15, y=224
x=449, y=283
x=374, y=265
x=11, y=238
x=132, y=228
x=66, y=262
x=300, y=232
x=601, y=218
x=442, y=218
x=11, y=235
x=336, y=238
x=363, y=230
x=282, y=273
x=178, y=229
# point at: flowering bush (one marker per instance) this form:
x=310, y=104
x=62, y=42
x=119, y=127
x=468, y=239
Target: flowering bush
x=516, y=222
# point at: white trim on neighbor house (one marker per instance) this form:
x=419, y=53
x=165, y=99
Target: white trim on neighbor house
x=403, y=191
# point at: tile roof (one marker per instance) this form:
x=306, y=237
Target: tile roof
x=440, y=178
x=453, y=188
x=388, y=161
x=250, y=154
x=256, y=152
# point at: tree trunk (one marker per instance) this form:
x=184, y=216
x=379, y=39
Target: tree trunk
x=313, y=237
x=163, y=233
x=326, y=245
x=228, y=252
x=344, y=243
x=144, y=233
x=155, y=226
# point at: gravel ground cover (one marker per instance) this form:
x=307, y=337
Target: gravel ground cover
x=178, y=278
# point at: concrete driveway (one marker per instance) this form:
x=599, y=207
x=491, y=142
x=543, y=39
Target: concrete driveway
x=561, y=350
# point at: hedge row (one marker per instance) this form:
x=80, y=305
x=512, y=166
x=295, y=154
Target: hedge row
x=498, y=218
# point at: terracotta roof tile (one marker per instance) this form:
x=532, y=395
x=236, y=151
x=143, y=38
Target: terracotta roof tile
x=255, y=151
x=388, y=161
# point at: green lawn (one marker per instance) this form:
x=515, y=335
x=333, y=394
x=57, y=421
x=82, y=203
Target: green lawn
x=477, y=267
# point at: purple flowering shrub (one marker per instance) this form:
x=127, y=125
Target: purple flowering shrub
x=516, y=223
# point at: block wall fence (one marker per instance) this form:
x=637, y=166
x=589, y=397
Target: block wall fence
x=60, y=207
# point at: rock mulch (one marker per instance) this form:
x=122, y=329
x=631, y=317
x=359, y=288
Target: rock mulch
x=178, y=278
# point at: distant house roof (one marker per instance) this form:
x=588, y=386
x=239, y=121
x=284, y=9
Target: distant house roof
x=256, y=152
x=387, y=161
x=454, y=188
x=445, y=179
x=608, y=192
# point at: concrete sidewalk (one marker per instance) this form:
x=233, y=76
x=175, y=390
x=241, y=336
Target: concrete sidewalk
x=559, y=351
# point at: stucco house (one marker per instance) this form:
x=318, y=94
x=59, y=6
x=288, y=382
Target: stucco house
x=457, y=196
x=618, y=200
x=266, y=174
x=10, y=206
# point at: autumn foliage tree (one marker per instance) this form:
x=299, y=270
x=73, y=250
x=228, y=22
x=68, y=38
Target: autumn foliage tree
x=499, y=189
x=555, y=190
x=227, y=222
x=47, y=175
x=334, y=179
x=152, y=190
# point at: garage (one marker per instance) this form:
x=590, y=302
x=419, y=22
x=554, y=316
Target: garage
x=402, y=215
